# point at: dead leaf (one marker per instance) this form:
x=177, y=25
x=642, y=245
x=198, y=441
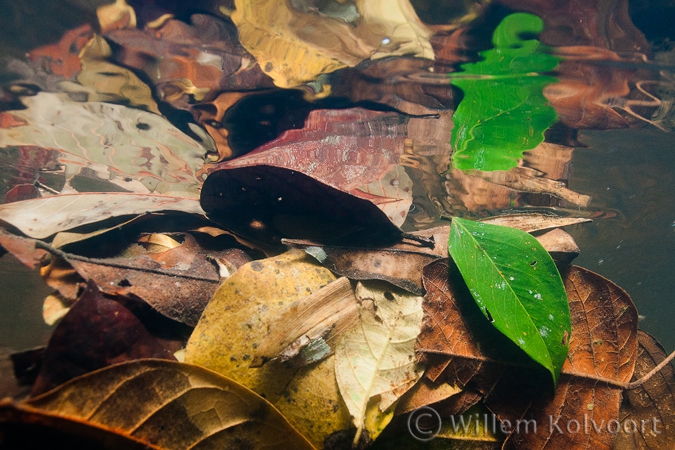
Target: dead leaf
x=647, y=412
x=295, y=45
x=424, y=393
x=531, y=223
x=96, y=332
x=602, y=346
x=268, y=203
x=190, y=61
x=310, y=328
x=107, y=82
x=22, y=426
x=374, y=362
x=62, y=59
x=236, y=321
x=167, y=405
x=116, y=16
x=22, y=249
x=42, y=217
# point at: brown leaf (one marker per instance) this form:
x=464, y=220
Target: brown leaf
x=62, y=58
x=24, y=427
x=22, y=249
x=96, y=333
x=167, y=405
x=190, y=62
x=648, y=411
x=602, y=346
x=317, y=320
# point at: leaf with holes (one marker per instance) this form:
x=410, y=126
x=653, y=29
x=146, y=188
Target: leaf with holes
x=517, y=287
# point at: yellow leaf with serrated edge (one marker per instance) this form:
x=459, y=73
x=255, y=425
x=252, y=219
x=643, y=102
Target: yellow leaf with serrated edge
x=377, y=358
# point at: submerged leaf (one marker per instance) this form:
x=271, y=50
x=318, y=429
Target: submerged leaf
x=374, y=363
x=517, y=286
x=167, y=405
x=504, y=112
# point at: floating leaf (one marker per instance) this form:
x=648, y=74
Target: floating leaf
x=504, y=112
x=374, y=363
x=517, y=286
x=166, y=405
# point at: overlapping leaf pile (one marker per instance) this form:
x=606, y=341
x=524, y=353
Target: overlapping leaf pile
x=228, y=261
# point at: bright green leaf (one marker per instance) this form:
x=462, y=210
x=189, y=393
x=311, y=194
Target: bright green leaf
x=517, y=286
x=504, y=112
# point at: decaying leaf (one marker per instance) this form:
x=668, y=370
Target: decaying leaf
x=236, y=321
x=157, y=157
x=42, y=217
x=648, y=411
x=118, y=15
x=96, y=332
x=602, y=346
x=278, y=35
x=62, y=59
x=374, y=363
x=163, y=404
x=310, y=328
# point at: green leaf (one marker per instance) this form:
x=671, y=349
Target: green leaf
x=517, y=286
x=504, y=112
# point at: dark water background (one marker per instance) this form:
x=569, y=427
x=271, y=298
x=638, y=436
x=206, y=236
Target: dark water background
x=629, y=173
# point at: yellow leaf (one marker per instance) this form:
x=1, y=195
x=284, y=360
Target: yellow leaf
x=377, y=358
x=116, y=16
x=295, y=43
x=235, y=323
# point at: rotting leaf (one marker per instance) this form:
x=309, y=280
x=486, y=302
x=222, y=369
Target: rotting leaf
x=310, y=328
x=42, y=217
x=374, y=362
x=482, y=359
x=169, y=405
x=236, y=321
x=95, y=333
x=22, y=249
x=516, y=284
x=504, y=112
x=648, y=411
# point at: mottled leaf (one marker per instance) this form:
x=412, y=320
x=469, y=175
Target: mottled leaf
x=236, y=321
